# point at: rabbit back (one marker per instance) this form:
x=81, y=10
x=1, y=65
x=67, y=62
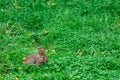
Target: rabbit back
x=31, y=59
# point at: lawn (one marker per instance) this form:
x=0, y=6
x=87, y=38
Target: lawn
x=81, y=39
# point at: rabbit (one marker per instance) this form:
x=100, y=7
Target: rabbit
x=36, y=59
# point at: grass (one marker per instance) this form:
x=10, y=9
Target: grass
x=84, y=34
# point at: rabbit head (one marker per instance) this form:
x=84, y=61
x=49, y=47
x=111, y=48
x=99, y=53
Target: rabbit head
x=43, y=56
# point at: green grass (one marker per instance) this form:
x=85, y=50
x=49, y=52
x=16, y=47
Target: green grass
x=91, y=27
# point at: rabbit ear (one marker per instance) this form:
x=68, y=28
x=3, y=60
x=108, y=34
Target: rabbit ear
x=41, y=51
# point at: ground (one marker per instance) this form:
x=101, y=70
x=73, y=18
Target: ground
x=81, y=39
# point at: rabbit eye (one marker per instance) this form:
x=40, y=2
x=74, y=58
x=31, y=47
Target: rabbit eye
x=43, y=57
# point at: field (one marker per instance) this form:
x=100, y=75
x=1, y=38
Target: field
x=80, y=37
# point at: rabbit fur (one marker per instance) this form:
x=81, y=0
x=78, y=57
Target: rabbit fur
x=37, y=59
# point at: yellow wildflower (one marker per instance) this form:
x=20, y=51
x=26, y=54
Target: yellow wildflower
x=76, y=76
x=23, y=62
x=29, y=34
x=53, y=51
x=51, y=3
x=45, y=32
x=79, y=53
x=10, y=73
x=18, y=7
x=24, y=58
x=13, y=26
x=8, y=31
x=16, y=78
x=19, y=68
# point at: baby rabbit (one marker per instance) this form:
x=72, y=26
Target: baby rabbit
x=37, y=59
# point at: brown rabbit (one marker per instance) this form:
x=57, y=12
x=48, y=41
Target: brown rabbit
x=37, y=59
